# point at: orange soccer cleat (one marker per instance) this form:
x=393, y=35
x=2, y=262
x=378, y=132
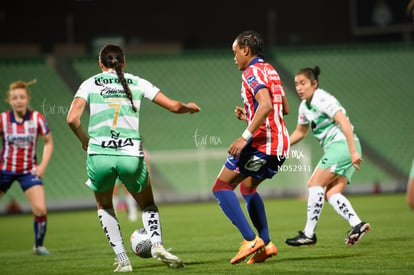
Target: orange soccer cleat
x=247, y=248
x=260, y=256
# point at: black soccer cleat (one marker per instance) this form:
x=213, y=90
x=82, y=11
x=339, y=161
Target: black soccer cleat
x=357, y=232
x=301, y=239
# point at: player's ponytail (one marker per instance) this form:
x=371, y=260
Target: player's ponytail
x=112, y=56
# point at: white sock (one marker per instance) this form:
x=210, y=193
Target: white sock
x=344, y=208
x=315, y=205
x=112, y=230
x=151, y=222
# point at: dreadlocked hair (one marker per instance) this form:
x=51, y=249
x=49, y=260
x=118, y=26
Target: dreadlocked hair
x=112, y=56
x=252, y=40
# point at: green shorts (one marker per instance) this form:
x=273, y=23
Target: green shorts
x=103, y=171
x=338, y=159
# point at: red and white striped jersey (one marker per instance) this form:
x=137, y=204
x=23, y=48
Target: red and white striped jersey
x=18, y=152
x=272, y=138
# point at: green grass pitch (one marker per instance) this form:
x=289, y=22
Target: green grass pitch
x=206, y=241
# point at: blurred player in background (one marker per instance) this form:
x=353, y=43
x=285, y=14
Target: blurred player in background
x=114, y=147
x=410, y=8
x=327, y=119
x=410, y=184
x=125, y=202
x=19, y=130
x=410, y=187
x=259, y=152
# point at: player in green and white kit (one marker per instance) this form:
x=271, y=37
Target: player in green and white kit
x=327, y=119
x=114, y=147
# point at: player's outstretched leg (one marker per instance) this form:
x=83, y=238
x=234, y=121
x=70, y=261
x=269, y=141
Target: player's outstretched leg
x=152, y=224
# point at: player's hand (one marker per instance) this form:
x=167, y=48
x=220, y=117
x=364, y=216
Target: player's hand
x=356, y=159
x=240, y=113
x=39, y=171
x=236, y=147
x=192, y=107
x=85, y=147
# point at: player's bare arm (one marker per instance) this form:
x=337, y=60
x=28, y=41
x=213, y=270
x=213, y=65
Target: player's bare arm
x=263, y=110
x=47, y=154
x=285, y=105
x=300, y=133
x=175, y=106
x=346, y=127
x=74, y=122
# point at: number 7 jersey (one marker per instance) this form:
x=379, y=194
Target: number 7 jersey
x=113, y=124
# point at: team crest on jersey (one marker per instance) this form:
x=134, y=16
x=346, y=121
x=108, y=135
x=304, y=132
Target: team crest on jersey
x=31, y=127
x=251, y=79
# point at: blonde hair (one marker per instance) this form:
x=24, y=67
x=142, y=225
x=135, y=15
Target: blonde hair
x=19, y=84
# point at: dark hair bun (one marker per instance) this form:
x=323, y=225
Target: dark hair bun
x=316, y=71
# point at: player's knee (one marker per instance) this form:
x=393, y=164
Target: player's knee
x=313, y=182
x=220, y=185
x=244, y=190
x=39, y=211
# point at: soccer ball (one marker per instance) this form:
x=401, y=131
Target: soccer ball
x=141, y=243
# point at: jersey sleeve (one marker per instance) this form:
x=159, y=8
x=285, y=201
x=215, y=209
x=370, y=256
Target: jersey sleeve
x=329, y=105
x=150, y=90
x=83, y=91
x=43, y=126
x=253, y=80
x=302, y=119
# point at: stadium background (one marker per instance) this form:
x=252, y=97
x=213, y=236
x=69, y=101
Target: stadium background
x=367, y=66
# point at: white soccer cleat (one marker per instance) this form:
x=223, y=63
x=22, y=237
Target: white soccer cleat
x=162, y=255
x=123, y=266
x=41, y=251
